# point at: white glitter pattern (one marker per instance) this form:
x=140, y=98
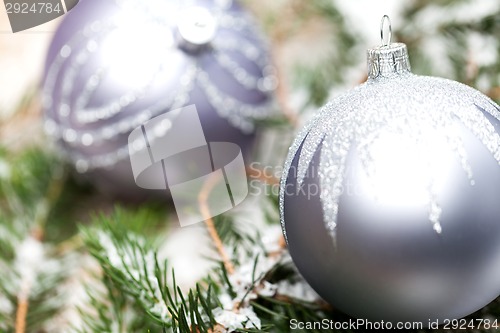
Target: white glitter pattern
x=402, y=104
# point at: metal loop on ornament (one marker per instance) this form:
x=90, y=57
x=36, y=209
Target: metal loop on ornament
x=385, y=18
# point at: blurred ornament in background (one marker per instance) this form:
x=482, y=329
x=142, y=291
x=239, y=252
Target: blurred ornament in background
x=113, y=65
x=389, y=196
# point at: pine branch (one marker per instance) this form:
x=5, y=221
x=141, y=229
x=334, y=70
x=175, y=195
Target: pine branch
x=223, y=300
x=308, y=22
x=29, y=284
x=463, y=43
x=129, y=262
x=30, y=270
x=205, y=211
x=109, y=310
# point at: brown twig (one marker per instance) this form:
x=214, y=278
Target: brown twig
x=22, y=308
x=209, y=222
x=282, y=94
x=205, y=210
x=38, y=232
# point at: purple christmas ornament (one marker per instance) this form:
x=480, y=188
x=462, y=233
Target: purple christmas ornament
x=115, y=64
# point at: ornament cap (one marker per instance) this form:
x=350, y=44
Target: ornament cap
x=390, y=58
x=197, y=27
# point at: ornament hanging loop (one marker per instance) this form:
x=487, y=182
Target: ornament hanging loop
x=389, y=59
x=385, y=38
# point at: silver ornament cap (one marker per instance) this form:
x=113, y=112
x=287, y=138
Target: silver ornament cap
x=390, y=58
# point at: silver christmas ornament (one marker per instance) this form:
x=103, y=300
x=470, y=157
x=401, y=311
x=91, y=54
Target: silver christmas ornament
x=390, y=196
x=115, y=64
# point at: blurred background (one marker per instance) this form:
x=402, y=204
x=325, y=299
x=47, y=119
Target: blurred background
x=318, y=48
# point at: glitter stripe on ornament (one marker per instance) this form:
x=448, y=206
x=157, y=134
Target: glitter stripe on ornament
x=361, y=130
x=239, y=114
x=239, y=73
x=236, y=112
x=292, y=151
